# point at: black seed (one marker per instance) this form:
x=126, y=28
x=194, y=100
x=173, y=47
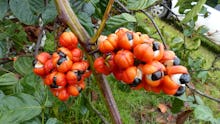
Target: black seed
x=53, y=86
x=176, y=61
x=180, y=91
x=156, y=46
x=34, y=62
x=54, y=80
x=61, y=54
x=61, y=60
x=79, y=77
x=185, y=78
x=135, y=83
x=129, y=35
x=80, y=72
x=79, y=89
x=156, y=76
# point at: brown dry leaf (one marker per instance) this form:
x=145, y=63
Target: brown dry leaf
x=32, y=32
x=181, y=118
x=162, y=107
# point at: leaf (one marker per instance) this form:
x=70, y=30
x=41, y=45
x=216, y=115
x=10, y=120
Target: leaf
x=50, y=13
x=41, y=94
x=194, y=44
x=119, y=20
x=50, y=45
x=85, y=20
x=139, y=4
x=35, y=120
x=184, y=5
x=203, y=112
x=194, y=11
x=203, y=75
x=202, y=30
x=8, y=79
x=3, y=8
x=198, y=100
x=1, y=94
x=181, y=118
x=177, y=43
x=23, y=65
x=187, y=32
x=177, y=104
x=53, y=121
x=3, y=49
x=142, y=24
x=37, y=6
x=30, y=82
x=18, y=108
x=22, y=9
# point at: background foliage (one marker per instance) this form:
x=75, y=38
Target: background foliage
x=24, y=98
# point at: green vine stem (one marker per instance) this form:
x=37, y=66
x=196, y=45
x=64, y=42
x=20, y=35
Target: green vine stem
x=104, y=19
x=67, y=15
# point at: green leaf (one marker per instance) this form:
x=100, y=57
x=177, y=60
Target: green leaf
x=29, y=83
x=202, y=30
x=184, y=5
x=18, y=108
x=194, y=11
x=53, y=121
x=85, y=20
x=23, y=65
x=194, y=44
x=37, y=6
x=203, y=112
x=50, y=44
x=22, y=9
x=177, y=43
x=8, y=79
x=192, y=100
x=142, y=23
x=139, y=4
x=35, y=120
x=177, y=104
x=203, y=75
x=187, y=32
x=3, y=8
x=3, y=49
x=41, y=94
x=120, y=20
x=50, y=13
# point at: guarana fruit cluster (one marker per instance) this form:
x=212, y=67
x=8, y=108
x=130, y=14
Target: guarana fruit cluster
x=64, y=71
x=141, y=62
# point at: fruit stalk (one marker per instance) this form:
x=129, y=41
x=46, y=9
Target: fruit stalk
x=69, y=17
x=104, y=19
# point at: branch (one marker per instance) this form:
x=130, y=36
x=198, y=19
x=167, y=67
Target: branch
x=104, y=120
x=68, y=16
x=156, y=27
x=39, y=39
x=104, y=19
x=122, y=6
x=202, y=94
x=151, y=19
